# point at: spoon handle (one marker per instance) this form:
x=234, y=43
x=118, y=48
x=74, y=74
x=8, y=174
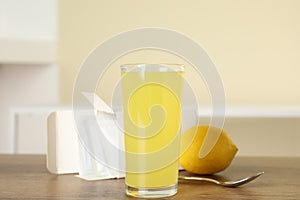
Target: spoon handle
x=195, y=178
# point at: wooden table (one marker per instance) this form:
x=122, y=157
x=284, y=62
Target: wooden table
x=26, y=177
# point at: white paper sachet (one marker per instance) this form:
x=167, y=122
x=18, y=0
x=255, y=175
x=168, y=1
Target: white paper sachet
x=102, y=143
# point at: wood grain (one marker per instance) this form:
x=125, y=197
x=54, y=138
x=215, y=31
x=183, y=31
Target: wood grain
x=26, y=177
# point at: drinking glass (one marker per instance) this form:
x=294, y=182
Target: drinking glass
x=151, y=95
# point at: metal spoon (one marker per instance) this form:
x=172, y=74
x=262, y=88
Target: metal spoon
x=233, y=183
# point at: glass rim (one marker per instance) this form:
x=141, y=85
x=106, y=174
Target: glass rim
x=152, y=67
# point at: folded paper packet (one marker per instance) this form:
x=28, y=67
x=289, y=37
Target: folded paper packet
x=62, y=147
x=70, y=152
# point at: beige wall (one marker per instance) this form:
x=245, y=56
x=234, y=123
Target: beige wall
x=255, y=44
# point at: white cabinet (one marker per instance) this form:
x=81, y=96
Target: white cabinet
x=28, y=31
x=29, y=75
x=30, y=133
x=29, y=128
x=23, y=51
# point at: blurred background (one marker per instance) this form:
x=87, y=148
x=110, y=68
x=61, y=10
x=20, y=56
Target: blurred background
x=254, y=44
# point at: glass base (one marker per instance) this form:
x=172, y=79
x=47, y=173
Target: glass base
x=151, y=192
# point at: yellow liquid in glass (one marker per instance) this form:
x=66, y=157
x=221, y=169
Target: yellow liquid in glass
x=152, y=121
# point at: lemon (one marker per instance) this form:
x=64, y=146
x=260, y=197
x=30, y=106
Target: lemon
x=218, y=158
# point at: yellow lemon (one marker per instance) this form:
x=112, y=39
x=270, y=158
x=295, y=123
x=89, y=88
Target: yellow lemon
x=219, y=157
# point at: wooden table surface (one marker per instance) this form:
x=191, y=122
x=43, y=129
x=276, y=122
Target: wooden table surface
x=26, y=177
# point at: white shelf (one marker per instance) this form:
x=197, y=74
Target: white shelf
x=254, y=112
x=14, y=51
